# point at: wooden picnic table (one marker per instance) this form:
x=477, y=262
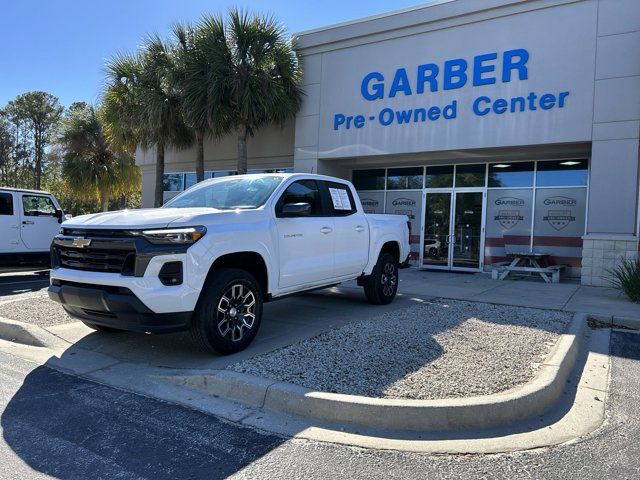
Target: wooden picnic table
x=527, y=262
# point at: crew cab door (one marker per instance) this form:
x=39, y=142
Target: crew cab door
x=351, y=230
x=305, y=242
x=39, y=221
x=9, y=233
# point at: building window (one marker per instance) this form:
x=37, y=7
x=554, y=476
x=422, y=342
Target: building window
x=555, y=209
x=562, y=173
x=173, y=182
x=369, y=179
x=515, y=175
x=189, y=180
x=224, y=173
x=470, y=175
x=509, y=217
x=404, y=178
x=439, y=177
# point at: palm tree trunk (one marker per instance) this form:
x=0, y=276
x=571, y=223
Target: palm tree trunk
x=38, y=163
x=200, y=157
x=159, y=189
x=242, y=149
x=104, y=201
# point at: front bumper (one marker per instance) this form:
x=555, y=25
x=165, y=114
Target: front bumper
x=116, y=307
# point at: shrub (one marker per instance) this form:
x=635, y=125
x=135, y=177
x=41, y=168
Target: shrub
x=626, y=277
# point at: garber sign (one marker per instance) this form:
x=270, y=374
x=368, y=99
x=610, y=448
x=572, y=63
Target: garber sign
x=452, y=74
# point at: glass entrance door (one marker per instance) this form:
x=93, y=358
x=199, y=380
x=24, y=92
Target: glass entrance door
x=437, y=229
x=453, y=230
x=467, y=230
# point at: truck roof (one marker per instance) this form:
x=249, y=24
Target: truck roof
x=26, y=190
x=285, y=175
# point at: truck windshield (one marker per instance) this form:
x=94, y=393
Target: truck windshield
x=228, y=193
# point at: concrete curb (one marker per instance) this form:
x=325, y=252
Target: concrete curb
x=617, y=321
x=489, y=411
x=25, y=333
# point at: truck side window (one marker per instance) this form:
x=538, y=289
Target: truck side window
x=6, y=204
x=302, y=191
x=340, y=199
x=36, y=206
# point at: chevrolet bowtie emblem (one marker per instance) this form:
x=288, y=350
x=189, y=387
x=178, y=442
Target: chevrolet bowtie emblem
x=81, y=242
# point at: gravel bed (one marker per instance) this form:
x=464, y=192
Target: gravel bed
x=40, y=310
x=442, y=349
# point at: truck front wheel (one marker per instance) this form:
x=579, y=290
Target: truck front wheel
x=381, y=286
x=229, y=311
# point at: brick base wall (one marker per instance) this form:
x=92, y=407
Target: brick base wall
x=602, y=253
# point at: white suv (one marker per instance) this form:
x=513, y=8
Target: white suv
x=29, y=219
x=209, y=258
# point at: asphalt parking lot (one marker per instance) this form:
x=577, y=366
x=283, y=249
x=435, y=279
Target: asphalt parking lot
x=22, y=281
x=60, y=426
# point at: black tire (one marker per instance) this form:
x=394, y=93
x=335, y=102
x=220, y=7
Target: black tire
x=101, y=328
x=382, y=285
x=228, y=314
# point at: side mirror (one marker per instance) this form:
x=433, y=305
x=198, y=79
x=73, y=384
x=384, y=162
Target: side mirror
x=59, y=215
x=290, y=210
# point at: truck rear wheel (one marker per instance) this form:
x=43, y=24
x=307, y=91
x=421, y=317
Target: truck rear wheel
x=229, y=311
x=382, y=285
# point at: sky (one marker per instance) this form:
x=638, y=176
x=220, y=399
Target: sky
x=61, y=46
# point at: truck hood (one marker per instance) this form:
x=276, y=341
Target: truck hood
x=147, y=218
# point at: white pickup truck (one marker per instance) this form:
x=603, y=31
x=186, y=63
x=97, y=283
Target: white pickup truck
x=208, y=259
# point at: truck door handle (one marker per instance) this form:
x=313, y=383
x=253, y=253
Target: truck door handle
x=27, y=222
x=326, y=230
x=359, y=228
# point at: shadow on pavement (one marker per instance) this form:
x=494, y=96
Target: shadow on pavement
x=71, y=428
x=19, y=282
x=626, y=344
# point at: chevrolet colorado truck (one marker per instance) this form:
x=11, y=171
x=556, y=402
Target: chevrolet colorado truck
x=208, y=259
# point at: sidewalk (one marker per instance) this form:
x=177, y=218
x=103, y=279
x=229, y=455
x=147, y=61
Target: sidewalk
x=568, y=295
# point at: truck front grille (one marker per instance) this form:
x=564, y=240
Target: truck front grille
x=108, y=254
x=97, y=260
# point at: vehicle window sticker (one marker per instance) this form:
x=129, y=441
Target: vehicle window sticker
x=340, y=199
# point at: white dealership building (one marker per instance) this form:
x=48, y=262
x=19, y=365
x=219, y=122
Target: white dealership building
x=495, y=125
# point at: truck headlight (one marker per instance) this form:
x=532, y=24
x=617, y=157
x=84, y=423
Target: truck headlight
x=180, y=236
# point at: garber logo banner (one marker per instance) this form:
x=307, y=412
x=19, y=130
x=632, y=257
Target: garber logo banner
x=451, y=75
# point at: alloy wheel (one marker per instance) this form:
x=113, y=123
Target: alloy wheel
x=388, y=279
x=236, y=313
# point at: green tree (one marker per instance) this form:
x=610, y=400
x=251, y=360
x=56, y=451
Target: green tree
x=7, y=152
x=40, y=112
x=260, y=81
x=201, y=55
x=143, y=104
x=93, y=167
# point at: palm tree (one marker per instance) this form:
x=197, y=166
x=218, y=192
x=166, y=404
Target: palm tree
x=202, y=55
x=260, y=82
x=92, y=167
x=143, y=103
